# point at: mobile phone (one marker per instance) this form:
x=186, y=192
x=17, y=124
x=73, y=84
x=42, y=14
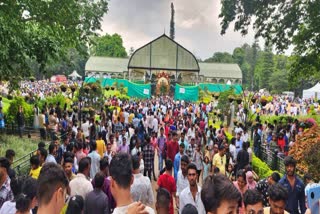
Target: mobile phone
x=313, y=198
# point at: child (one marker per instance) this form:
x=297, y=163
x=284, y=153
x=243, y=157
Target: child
x=35, y=167
x=206, y=168
x=230, y=172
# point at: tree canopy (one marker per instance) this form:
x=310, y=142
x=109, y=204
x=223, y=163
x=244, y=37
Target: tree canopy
x=44, y=30
x=108, y=45
x=281, y=23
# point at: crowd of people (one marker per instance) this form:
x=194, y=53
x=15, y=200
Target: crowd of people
x=113, y=163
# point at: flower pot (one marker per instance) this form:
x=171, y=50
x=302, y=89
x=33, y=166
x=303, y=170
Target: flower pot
x=73, y=89
x=63, y=89
x=230, y=100
x=263, y=102
x=107, y=88
x=239, y=101
x=86, y=90
x=112, y=88
x=253, y=100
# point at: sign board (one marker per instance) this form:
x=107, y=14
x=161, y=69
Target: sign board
x=146, y=91
x=182, y=90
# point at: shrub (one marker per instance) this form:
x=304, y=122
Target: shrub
x=13, y=110
x=306, y=152
x=261, y=168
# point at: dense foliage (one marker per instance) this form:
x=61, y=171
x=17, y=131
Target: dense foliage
x=108, y=45
x=260, y=68
x=283, y=23
x=306, y=151
x=44, y=30
x=13, y=110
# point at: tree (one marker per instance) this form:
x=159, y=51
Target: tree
x=43, y=30
x=172, y=28
x=281, y=23
x=221, y=58
x=108, y=45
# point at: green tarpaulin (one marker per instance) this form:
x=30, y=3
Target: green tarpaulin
x=90, y=80
x=139, y=90
x=189, y=93
x=110, y=82
x=220, y=87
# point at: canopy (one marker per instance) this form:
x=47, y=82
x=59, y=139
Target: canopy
x=74, y=75
x=312, y=92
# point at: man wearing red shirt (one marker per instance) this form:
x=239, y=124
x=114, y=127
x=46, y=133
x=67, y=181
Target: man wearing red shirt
x=173, y=147
x=167, y=181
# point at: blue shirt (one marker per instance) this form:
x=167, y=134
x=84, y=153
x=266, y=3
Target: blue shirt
x=176, y=165
x=296, y=195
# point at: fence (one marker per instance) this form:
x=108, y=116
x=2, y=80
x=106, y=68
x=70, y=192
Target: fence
x=275, y=159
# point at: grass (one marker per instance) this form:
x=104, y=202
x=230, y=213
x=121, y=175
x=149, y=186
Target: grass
x=21, y=146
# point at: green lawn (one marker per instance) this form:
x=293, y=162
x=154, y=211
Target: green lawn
x=20, y=146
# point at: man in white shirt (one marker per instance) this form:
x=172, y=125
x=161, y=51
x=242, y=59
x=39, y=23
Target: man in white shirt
x=191, y=194
x=121, y=181
x=141, y=189
x=85, y=128
x=182, y=177
x=155, y=124
x=81, y=185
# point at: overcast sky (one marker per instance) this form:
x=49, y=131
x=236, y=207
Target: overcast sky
x=196, y=22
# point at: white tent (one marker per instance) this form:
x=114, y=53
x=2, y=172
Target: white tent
x=312, y=92
x=74, y=75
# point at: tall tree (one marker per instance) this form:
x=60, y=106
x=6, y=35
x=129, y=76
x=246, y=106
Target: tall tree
x=43, y=30
x=109, y=45
x=172, y=27
x=221, y=57
x=281, y=23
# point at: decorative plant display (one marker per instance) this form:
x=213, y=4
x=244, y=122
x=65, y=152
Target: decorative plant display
x=86, y=89
x=63, y=88
x=73, y=88
x=306, y=151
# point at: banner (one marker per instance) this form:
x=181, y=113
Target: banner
x=188, y=93
x=220, y=87
x=139, y=90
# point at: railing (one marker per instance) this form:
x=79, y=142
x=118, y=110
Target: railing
x=22, y=165
x=275, y=159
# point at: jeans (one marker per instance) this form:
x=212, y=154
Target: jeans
x=21, y=130
x=160, y=162
x=147, y=172
x=256, y=151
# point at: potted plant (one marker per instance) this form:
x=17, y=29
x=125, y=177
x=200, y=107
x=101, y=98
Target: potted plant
x=63, y=88
x=254, y=99
x=73, y=88
x=75, y=109
x=107, y=88
x=239, y=100
x=263, y=100
x=231, y=98
x=86, y=89
x=216, y=95
x=94, y=87
x=32, y=79
x=112, y=88
x=85, y=110
x=70, y=112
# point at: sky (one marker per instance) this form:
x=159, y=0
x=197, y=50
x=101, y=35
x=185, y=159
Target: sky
x=197, y=26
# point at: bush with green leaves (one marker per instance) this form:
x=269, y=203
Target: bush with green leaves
x=261, y=168
x=13, y=110
x=59, y=98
